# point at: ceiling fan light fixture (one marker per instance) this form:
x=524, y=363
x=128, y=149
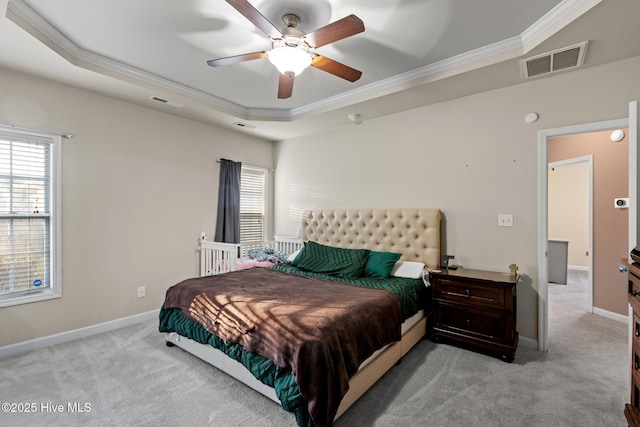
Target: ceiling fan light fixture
x=289, y=60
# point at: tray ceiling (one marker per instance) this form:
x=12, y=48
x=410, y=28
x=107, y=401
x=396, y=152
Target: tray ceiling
x=162, y=46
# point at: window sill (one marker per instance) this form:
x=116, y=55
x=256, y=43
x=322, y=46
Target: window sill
x=11, y=300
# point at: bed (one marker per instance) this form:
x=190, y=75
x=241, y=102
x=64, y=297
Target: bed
x=414, y=234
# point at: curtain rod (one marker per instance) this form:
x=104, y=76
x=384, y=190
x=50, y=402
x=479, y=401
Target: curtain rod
x=269, y=169
x=65, y=135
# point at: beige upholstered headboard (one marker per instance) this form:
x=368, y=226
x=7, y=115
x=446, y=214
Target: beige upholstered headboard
x=414, y=233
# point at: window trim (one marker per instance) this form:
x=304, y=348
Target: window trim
x=55, y=218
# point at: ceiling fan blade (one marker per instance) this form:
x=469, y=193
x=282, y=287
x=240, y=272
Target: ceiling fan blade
x=235, y=59
x=336, y=68
x=256, y=18
x=285, y=86
x=335, y=31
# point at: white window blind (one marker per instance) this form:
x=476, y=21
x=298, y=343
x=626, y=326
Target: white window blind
x=25, y=218
x=252, y=204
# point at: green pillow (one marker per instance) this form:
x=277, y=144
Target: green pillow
x=345, y=263
x=380, y=264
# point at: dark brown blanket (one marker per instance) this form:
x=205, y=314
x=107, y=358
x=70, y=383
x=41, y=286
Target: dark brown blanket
x=322, y=330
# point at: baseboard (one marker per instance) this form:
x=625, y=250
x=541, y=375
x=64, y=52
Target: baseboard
x=611, y=315
x=577, y=268
x=34, y=344
x=528, y=343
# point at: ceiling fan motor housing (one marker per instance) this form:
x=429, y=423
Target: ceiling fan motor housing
x=291, y=20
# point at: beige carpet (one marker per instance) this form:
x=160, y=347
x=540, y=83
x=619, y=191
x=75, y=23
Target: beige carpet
x=129, y=377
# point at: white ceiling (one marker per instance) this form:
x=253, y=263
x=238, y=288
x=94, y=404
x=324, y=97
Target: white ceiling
x=413, y=52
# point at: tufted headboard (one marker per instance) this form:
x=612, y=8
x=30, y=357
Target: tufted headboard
x=414, y=233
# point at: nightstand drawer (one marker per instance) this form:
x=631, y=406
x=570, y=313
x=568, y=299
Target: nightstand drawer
x=636, y=329
x=480, y=324
x=635, y=365
x=634, y=285
x=469, y=293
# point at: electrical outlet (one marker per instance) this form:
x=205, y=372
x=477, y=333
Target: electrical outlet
x=505, y=220
x=142, y=291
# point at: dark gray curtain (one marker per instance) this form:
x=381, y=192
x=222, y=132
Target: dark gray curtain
x=228, y=222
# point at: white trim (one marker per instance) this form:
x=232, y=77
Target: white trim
x=611, y=315
x=56, y=216
x=543, y=241
x=634, y=121
x=556, y=19
x=37, y=343
x=54, y=139
x=543, y=232
x=578, y=267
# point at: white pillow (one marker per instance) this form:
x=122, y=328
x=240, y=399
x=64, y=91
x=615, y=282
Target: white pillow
x=408, y=269
x=293, y=256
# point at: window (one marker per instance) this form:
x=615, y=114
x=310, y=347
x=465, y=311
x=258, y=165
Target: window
x=29, y=224
x=253, y=186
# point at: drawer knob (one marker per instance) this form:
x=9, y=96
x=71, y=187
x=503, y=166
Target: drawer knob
x=468, y=322
x=637, y=332
x=468, y=292
x=636, y=366
x=635, y=293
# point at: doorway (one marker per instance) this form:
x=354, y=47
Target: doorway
x=570, y=230
x=543, y=149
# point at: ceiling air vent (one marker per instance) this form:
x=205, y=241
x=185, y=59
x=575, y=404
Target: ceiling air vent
x=552, y=62
x=166, y=101
x=244, y=125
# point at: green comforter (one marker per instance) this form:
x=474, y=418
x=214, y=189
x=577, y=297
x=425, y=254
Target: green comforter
x=413, y=296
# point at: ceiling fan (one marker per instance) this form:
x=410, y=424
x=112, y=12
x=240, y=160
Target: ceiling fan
x=292, y=49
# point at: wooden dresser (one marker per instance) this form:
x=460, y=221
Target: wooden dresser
x=476, y=309
x=632, y=409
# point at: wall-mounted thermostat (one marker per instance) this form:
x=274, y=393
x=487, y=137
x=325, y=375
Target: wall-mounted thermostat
x=621, y=203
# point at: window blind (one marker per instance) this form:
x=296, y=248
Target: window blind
x=25, y=213
x=252, y=204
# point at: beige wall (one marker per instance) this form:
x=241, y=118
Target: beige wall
x=568, y=207
x=138, y=188
x=610, y=225
x=473, y=157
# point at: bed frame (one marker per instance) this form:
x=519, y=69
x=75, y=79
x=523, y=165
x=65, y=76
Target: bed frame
x=414, y=233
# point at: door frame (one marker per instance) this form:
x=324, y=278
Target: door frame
x=543, y=232
x=589, y=161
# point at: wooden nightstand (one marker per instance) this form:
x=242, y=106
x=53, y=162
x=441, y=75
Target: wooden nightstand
x=476, y=309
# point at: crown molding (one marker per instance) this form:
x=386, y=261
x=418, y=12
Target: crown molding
x=567, y=11
x=556, y=19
